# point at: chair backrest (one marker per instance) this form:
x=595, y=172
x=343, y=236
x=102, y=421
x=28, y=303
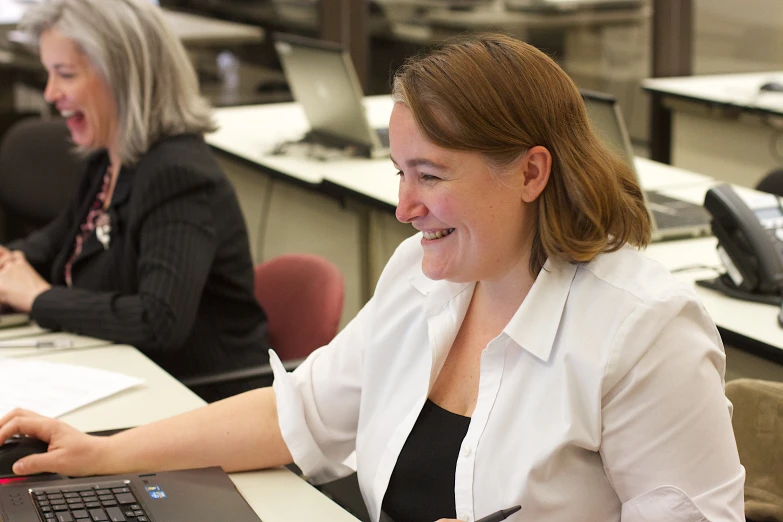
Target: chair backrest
x=302, y=295
x=758, y=428
x=772, y=183
x=39, y=171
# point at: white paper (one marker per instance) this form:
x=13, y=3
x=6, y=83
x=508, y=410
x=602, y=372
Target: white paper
x=54, y=389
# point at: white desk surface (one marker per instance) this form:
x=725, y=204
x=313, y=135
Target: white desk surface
x=276, y=495
x=15, y=332
x=191, y=29
x=580, y=16
x=252, y=132
x=739, y=90
x=752, y=320
x=78, y=342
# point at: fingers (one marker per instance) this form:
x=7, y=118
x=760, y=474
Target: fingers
x=37, y=463
x=24, y=422
x=10, y=257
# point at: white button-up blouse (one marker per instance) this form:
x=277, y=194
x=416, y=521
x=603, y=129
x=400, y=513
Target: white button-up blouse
x=601, y=400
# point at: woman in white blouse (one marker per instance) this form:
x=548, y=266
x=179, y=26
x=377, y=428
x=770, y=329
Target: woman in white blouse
x=517, y=350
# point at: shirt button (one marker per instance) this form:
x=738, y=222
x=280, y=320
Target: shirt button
x=465, y=517
x=466, y=451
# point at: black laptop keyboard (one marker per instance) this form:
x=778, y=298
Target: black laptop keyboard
x=106, y=502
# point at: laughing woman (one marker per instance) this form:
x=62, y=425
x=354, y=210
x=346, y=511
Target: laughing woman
x=153, y=250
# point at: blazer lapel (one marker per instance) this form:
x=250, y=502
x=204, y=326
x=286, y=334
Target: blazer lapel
x=98, y=164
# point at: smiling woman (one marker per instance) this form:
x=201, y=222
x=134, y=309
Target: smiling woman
x=153, y=250
x=519, y=351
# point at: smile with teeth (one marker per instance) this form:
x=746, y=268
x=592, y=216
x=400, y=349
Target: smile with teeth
x=437, y=235
x=67, y=114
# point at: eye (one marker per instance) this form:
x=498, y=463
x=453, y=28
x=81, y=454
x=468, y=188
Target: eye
x=429, y=178
x=400, y=174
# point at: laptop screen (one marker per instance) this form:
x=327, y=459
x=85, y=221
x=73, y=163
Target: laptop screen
x=324, y=82
x=606, y=120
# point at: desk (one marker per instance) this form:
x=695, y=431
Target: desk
x=749, y=326
x=276, y=495
x=721, y=125
x=193, y=30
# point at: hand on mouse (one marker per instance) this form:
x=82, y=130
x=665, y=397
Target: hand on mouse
x=71, y=452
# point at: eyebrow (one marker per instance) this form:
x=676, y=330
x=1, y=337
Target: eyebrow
x=421, y=162
x=59, y=65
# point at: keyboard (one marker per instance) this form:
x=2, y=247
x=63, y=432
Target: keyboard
x=105, y=502
x=670, y=212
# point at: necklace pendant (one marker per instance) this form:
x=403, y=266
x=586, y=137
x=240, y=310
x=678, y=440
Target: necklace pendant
x=103, y=230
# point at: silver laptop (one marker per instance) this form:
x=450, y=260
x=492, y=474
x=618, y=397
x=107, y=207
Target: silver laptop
x=10, y=318
x=672, y=218
x=324, y=82
x=570, y=5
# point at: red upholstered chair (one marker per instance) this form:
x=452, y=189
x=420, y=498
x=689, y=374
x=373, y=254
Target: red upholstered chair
x=302, y=295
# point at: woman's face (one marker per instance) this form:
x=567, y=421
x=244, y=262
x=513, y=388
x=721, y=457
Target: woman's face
x=77, y=90
x=476, y=225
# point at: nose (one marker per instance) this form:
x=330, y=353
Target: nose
x=410, y=205
x=51, y=93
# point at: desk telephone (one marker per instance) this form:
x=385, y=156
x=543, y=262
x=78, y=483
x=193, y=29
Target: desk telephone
x=750, y=244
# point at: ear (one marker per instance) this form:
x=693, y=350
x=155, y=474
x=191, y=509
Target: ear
x=535, y=165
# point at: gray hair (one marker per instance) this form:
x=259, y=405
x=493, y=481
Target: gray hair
x=143, y=62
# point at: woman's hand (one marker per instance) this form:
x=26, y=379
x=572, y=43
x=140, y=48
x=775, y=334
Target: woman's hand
x=71, y=452
x=20, y=284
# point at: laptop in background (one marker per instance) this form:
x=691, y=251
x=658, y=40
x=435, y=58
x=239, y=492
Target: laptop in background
x=324, y=82
x=196, y=494
x=671, y=217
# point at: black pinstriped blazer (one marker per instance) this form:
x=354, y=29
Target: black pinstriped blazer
x=177, y=278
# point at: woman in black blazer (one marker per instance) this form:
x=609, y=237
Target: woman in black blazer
x=153, y=250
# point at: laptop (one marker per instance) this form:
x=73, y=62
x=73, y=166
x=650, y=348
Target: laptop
x=170, y=496
x=671, y=218
x=10, y=318
x=570, y=5
x=324, y=82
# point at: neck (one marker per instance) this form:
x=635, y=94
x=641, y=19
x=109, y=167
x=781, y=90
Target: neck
x=504, y=294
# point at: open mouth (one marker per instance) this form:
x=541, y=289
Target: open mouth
x=73, y=116
x=437, y=235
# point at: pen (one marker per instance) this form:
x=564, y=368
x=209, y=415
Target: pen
x=32, y=343
x=497, y=516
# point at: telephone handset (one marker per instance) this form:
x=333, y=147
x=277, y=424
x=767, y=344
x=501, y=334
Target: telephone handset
x=750, y=244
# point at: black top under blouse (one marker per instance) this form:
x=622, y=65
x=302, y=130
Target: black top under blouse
x=421, y=487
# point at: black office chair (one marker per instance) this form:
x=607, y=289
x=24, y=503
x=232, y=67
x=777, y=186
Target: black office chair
x=39, y=173
x=772, y=183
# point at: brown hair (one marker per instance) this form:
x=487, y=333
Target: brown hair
x=495, y=95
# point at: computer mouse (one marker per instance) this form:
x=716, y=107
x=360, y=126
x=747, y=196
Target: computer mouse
x=17, y=447
x=772, y=87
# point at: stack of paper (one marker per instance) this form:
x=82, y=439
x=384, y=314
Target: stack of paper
x=53, y=389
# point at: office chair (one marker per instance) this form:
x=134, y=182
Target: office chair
x=302, y=296
x=772, y=182
x=39, y=173
x=758, y=428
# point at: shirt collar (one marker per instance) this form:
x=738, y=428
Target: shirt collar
x=437, y=293
x=534, y=326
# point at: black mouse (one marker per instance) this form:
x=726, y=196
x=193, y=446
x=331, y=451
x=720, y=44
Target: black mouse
x=17, y=447
x=772, y=87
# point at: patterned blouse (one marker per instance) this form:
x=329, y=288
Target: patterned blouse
x=97, y=216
